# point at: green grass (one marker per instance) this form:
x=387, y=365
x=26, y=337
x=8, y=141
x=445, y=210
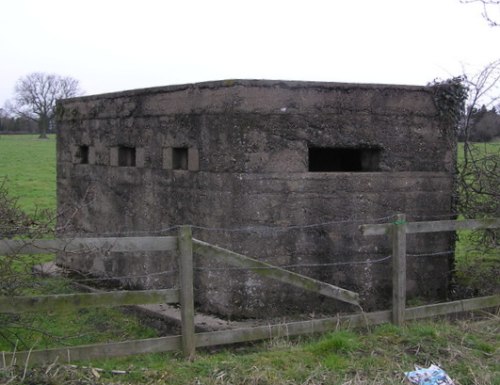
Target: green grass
x=29, y=165
x=468, y=351
x=55, y=329
x=87, y=326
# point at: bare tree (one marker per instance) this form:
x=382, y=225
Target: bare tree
x=489, y=7
x=479, y=169
x=484, y=90
x=35, y=97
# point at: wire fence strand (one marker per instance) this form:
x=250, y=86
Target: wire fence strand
x=259, y=229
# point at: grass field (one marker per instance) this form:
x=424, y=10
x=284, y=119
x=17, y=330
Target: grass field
x=468, y=350
x=29, y=166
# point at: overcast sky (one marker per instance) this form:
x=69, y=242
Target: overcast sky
x=112, y=45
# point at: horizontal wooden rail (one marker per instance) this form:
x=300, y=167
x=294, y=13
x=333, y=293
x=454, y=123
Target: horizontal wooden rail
x=73, y=245
x=452, y=307
x=87, y=352
x=433, y=226
x=173, y=343
x=224, y=337
x=274, y=272
x=352, y=320
x=67, y=302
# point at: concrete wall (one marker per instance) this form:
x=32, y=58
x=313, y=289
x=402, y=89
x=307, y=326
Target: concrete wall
x=236, y=155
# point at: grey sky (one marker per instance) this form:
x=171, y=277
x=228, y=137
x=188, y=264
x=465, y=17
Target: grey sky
x=112, y=45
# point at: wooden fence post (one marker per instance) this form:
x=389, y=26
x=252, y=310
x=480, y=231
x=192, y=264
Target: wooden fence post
x=186, y=291
x=399, y=269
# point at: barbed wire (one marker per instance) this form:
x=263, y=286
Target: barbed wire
x=246, y=228
x=130, y=277
x=258, y=228
x=69, y=272
x=262, y=229
x=296, y=265
x=229, y=268
x=306, y=265
x=413, y=215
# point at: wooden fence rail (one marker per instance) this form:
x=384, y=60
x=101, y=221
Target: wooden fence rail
x=274, y=272
x=79, y=245
x=70, y=302
x=430, y=226
x=397, y=230
x=224, y=337
x=189, y=340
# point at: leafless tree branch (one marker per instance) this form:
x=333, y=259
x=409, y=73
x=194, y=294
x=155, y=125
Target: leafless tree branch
x=479, y=169
x=36, y=94
x=488, y=6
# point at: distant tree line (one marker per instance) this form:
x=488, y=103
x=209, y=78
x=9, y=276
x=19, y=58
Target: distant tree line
x=484, y=126
x=16, y=124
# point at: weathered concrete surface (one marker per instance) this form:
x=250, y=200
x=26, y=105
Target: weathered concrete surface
x=244, y=149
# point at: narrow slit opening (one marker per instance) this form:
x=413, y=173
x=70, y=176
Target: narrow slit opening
x=331, y=159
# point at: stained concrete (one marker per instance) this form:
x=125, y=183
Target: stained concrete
x=233, y=159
